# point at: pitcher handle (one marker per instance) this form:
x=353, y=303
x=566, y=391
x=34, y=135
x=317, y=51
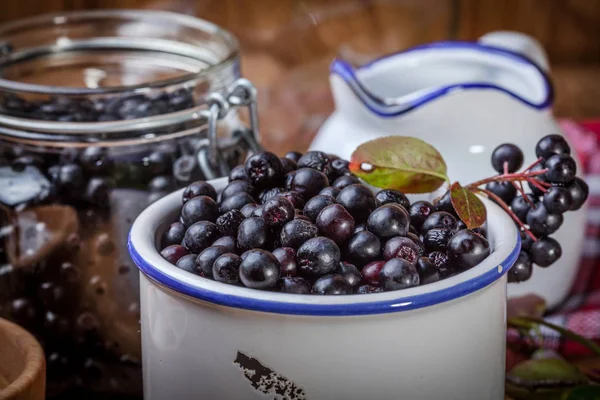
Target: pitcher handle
x=519, y=43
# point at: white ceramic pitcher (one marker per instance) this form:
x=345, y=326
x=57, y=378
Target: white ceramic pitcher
x=464, y=98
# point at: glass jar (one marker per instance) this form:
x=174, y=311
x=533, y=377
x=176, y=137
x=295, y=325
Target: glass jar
x=102, y=113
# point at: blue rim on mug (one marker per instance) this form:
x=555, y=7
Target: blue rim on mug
x=382, y=108
x=311, y=306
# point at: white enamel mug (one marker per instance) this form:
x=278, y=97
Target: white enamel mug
x=202, y=339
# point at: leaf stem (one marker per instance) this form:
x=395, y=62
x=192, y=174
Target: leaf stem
x=502, y=204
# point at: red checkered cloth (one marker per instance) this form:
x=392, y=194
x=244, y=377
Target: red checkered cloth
x=580, y=313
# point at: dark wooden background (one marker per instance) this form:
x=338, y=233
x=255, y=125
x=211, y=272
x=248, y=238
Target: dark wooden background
x=287, y=44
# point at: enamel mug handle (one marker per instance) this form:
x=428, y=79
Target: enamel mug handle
x=518, y=43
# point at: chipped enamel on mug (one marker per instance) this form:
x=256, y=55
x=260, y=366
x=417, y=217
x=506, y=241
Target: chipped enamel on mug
x=203, y=339
x=465, y=99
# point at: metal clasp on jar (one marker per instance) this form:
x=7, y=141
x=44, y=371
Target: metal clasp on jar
x=210, y=156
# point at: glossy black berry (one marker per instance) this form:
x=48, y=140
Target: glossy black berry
x=526, y=240
x=288, y=165
x=542, y=222
x=199, y=188
x=330, y=191
x=293, y=155
x=278, y=211
x=339, y=167
x=206, y=259
x=579, y=193
x=387, y=196
x=173, y=235
x=188, y=263
x=509, y=154
x=268, y=194
x=295, y=198
x=228, y=242
x=416, y=240
x=264, y=169
x=296, y=232
x=200, y=235
x=318, y=256
x=229, y=222
x=520, y=206
x=358, y=200
x=360, y=228
x=551, y=145
x=236, y=202
x=238, y=173
x=350, y=273
x=561, y=168
x=505, y=190
x=345, y=180
x=558, y=200
x=521, y=269
x=308, y=182
x=287, y=260
x=428, y=273
x=397, y=274
x=439, y=219
x=333, y=284
x=200, y=208
x=444, y=203
x=313, y=207
x=466, y=249
x=401, y=247
x=545, y=251
x=362, y=248
x=248, y=209
x=442, y=264
x=236, y=186
x=335, y=223
x=173, y=253
x=370, y=272
x=226, y=268
x=316, y=160
x=437, y=239
x=419, y=211
x=259, y=269
x=368, y=289
x=388, y=221
x=294, y=285
x=252, y=233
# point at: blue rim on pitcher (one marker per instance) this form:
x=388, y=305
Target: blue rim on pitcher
x=388, y=108
x=142, y=248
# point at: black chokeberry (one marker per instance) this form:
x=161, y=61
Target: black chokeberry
x=397, y=274
x=350, y=273
x=228, y=242
x=238, y=173
x=264, y=170
x=387, y=196
x=505, y=190
x=259, y=269
x=358, y=200
x=362, y=248
x=318, y=256
x=173, y=235
x=439, y=219
x=416, y=240
x=226, y=268
x=229, y=222
x=330, y=191
x=236, y=202
x=294, y=285
x=173, y=253
x=188, y=263
x=542, y=222
x=199, y=188
x=551, y=145
x=419, y=211
x=269, y=193
x=466, y=249
x=521, y=269
x=444, y=203
x=207, y=257
x=561, y=168
x=558, y=200
x=288, y=165
x=315, y=160
x=507, y=153
x=401, y=247
x=579, y=190
x=428, y=273
x=252, y=233
x=545, y=251
x=293, y=155
x=295, y=198
x=437, y=239
x=442, y=264
x=332, y=284
x=368, y=289
x=308, y=182
x=287, y=260
x=200, y=235
x=520, y=206
x=339, y=167
x=236, y=186
x=370, y=272
x=313, y=207
x=388, y=221
x=345, y=180
x=296, y=232
x=200, y=208
x=335, y=223
x=248, y=209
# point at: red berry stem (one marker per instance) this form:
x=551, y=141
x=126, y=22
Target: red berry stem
x=519, y=176
x=537, y=184
x=536, y=162
x=502, y=204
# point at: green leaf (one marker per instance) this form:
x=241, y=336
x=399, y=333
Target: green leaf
x=548, y=378
x=586, y=392
x=403, y=163
x=468, y=206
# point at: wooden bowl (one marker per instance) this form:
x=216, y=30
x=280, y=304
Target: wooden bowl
x=22, y=364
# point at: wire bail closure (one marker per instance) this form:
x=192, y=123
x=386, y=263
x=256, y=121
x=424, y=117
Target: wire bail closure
x=240, y=94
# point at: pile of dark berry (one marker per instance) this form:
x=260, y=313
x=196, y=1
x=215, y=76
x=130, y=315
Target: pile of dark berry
x=305, y=224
